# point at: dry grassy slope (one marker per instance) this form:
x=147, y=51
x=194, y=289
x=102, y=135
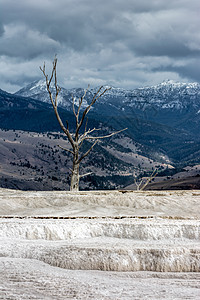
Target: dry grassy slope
x=186, y=183
x=31, y=160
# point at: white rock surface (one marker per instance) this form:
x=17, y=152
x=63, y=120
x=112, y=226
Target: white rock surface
x=100, y=203
x=22, y=279
x=93, y=253
x=107, y=245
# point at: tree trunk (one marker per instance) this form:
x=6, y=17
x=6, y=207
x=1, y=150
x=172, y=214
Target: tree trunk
x=74, y=187
x=75, y=140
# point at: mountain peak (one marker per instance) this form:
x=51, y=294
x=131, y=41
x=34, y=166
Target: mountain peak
x=178, y=84
x=33, y=88
x=39, y=84
x=170, y=82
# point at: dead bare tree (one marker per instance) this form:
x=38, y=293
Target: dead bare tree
x=76, y=140
x=144, y=181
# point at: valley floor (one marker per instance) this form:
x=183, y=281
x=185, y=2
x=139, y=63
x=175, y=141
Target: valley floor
x=99, y=245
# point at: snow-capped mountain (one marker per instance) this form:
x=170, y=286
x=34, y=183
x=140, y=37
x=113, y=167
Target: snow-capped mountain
x=169, y=95
x=37, y=90
x=169, y=103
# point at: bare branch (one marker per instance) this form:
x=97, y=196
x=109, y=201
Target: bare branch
x=84, y=155
x=105, y=136
x=73, y=105
x=138, y=184
x=58, y=89
x=48, y=82
x=86, y=126
x=83, y=136
x=53, y=70
x=82, y=98
x=80, y=176
x=101, y=94
x=54, y=102
x=81, y=139
x=94, y=99
x=78, y=125
x=91, y=130
x=145, y=181
x=66, y=149
x=152, y=176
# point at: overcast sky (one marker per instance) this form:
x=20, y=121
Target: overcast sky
x=123, y=43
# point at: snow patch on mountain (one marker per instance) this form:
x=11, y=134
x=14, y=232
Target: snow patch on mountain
x=41, y=84
x=166, y=95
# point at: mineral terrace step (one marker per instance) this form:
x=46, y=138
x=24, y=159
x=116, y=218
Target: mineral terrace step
x=108, y=254
x=127, y=228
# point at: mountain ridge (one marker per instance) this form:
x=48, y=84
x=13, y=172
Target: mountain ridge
x=158, y=134
x=37, y=88
x=169, y=103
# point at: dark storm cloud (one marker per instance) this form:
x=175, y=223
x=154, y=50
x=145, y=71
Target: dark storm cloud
x=166, y=45
x=82, y=24
x=1, y=29
x=189, y=70
x=125, y=43
x=19, y=41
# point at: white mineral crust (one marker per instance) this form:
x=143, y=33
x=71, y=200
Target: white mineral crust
x=151, y=252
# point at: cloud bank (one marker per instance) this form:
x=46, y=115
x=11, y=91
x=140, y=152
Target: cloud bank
x=126, y=43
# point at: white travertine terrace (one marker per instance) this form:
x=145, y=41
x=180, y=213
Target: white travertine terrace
x=109, y=245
